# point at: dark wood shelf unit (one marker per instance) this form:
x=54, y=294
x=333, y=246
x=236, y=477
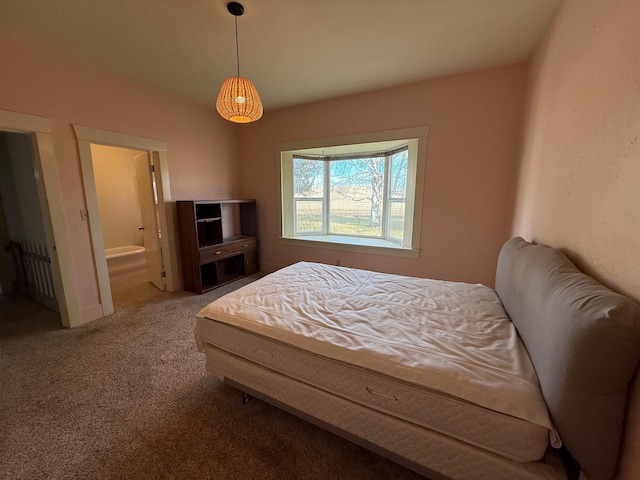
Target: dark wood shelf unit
x=218, y=242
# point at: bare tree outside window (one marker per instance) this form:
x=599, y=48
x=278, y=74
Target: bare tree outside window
x=308, y=186
x=358, y=181
x=308, y=177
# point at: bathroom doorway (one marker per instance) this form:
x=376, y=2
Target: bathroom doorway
x=127, y=200
x=90, y=139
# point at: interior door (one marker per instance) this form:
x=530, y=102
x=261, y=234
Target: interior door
x=147, y=196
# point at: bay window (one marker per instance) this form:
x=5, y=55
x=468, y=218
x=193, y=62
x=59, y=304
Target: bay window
x=367, y=195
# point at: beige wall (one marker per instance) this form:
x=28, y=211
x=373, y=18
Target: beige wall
x=202, y=147
x=580, y=177
x=475, y=125
x=579, y=186
x=114, y=170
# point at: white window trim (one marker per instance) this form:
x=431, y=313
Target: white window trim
x=417, y=137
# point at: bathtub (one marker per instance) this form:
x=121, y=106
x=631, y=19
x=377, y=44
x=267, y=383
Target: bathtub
x=126, y=261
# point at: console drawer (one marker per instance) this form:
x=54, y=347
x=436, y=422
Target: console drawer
x=214, y=253
x=243, y=245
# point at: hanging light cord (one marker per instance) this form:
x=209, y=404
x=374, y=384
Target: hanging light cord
x=237, y=49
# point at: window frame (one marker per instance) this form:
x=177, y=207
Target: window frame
x=415, y=138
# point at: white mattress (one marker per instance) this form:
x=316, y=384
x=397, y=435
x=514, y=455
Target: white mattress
x=427, y=452
x=508, y=436
x=451, y=338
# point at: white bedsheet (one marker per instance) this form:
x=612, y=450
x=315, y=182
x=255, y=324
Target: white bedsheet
x=452, y=337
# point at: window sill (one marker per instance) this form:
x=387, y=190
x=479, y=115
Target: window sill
x=351, y=244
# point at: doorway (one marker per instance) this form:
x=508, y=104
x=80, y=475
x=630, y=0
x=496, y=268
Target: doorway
x=26, y=265
x=156, y=157
x=128, y=203
x=45, y=170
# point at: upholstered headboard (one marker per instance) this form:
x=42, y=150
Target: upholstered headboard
x=584, y=342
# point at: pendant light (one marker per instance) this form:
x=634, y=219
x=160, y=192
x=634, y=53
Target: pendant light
x=238, y=100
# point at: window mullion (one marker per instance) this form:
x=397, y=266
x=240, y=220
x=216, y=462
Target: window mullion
x=326, y=202
x=295, y=215
x=385, y=197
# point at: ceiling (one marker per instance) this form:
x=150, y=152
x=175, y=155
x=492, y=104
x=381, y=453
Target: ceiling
x=295, y=51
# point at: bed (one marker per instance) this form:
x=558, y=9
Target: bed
x=452, y=380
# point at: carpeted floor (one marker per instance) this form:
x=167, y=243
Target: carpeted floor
x=128, y=396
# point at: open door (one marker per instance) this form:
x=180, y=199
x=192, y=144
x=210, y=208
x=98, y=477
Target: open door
x=151, y=232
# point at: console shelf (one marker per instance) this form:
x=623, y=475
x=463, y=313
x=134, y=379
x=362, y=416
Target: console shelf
x=218, y=242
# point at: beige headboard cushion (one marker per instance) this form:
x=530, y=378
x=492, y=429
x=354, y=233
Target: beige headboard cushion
x=584, y=342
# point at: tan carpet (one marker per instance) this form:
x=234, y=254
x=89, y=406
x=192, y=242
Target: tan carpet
x=128, y=397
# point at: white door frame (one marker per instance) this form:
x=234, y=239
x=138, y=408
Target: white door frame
x=158, y=148
x=52, y=208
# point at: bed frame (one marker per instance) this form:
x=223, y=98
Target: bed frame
x=583, y=340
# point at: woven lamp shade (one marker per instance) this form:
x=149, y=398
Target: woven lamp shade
x=238, y=101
